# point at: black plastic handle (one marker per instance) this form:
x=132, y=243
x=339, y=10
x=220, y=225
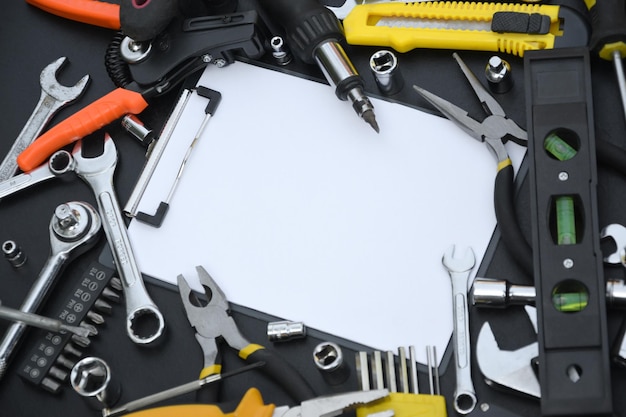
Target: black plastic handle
x=511, y=233
x=284, y=374
x=608, y=23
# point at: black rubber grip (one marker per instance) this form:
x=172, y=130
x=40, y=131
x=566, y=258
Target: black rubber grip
x=306, y=23
x=608, y=22
x=142, y=20
x=511, y=234
x=284, y=374
x=515, y=22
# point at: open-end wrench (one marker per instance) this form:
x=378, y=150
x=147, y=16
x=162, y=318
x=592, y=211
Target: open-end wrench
x=74, y=229
x=511, y=369
x=60, y=163
x=459, y=266
x=54, y=96
x=141, y=312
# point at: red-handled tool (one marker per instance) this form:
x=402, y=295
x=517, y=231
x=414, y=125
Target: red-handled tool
x=93, y=12
x=100, y=113
x=141, y=20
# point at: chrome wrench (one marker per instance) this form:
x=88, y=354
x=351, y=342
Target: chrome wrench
x=98, y=173
x=60, y=163
x=54, y=96
x=73, y=229
x=459, y=267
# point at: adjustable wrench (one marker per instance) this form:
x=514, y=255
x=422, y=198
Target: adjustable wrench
x=460, y=268
x=73, y=230
x=511, y=369
x=54, y=96
x=98, y=173
x=60, y=163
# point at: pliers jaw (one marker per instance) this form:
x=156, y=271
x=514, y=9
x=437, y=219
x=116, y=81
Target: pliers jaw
x=333, y=405
x=494, y=130
x=212, y=320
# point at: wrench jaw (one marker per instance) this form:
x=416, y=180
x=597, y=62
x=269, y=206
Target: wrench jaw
x=50, y=85
x=508, y=370
x=54, y=96
x=456, y=262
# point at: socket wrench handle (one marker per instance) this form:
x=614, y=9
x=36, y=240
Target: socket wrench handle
x=71, y=233
x=460, y=268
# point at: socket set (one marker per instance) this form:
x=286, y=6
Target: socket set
x=53, y=355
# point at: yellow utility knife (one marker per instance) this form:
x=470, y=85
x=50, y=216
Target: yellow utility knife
x=460, y=25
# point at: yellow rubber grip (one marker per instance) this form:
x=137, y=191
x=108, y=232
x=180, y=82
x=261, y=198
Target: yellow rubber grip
x=210, y=370
x=404, y=26
x=407, y=405
x=251, y=405
x=504, y=164
x=249, y=350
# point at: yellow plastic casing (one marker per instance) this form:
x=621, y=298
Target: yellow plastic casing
x=407, y=405
x=251, y=405
x=424, y=26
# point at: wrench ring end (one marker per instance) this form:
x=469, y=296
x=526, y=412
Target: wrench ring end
x=465, y=402
x=148, y=318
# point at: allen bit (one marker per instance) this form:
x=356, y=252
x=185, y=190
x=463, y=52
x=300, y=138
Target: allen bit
x=41, y=322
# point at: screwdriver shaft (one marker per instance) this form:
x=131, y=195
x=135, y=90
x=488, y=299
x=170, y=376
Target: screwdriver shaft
x=174, y=392
x=41, y=322
x=621, y=79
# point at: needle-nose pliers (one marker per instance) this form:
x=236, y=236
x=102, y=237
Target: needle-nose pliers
x=213, y=324
x=494, y=131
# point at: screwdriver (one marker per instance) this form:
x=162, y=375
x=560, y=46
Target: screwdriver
x=608, y=37
x=41, y=322
x=315, y=35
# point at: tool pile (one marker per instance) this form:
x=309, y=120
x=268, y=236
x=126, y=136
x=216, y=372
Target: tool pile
x=555, y=247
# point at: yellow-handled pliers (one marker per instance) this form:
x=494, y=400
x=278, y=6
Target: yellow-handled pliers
x=213, y=323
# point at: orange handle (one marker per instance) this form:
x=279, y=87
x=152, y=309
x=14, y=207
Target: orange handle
x=251, y=405
x=93, y=12
x=91, y=118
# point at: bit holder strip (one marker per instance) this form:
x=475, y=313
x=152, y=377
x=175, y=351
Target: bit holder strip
x=46, y=365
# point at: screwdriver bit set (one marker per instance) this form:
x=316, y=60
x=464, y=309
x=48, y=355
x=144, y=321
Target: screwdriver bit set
x=52, y=356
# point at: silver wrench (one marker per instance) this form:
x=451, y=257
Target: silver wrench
x=459, y=267
x=73, y=230
x=60, y=163
x=98, y=173
x=54, y=96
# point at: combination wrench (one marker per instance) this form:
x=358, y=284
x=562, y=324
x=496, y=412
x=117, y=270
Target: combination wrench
x=459, y=267
x=54, y=96
x=60, y=163
x=142, y=315
x=74, y=229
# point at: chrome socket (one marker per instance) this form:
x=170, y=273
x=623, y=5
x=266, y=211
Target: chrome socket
x=384, y=66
